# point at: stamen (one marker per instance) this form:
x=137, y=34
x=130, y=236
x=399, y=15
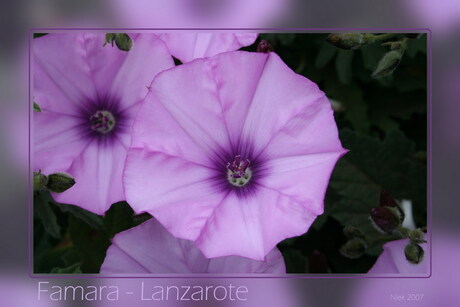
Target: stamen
x=102, y=122
x=238, y=171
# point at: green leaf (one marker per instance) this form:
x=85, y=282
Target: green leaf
x=325, y=54
x=371, y=55
x=89, y=243
x=387, y=113
x=370, y=166
x=118, y=218
x=42, y=207
x=319, y=221
x=37, y=107
x=72, y=269
x=141, y=218
x=352, y=98
x=295, y=261
x=343, y=64
x=93, y=220
x=36, y=35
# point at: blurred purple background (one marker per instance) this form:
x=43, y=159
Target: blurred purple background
x=441, y=16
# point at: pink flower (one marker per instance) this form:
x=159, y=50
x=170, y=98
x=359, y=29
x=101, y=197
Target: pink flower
x=88, y=95
x=393, y=260
x=150, y=248
x=189, y=46
x=233, y=152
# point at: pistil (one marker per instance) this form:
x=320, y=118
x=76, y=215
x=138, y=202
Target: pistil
x=238, y=171
x=102, y=122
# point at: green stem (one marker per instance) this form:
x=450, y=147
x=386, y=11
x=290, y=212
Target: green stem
x=403, y=231
x=380, y=38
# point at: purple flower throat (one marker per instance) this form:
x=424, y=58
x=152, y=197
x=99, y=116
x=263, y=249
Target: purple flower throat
x=102, y=119
x=239, y=170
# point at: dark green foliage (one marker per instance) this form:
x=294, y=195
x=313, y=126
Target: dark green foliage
x=383, y=124
x=46, y=215
x=35, y=35
x=118, y=218
x=70, y=240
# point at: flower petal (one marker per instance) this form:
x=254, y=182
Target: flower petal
x=156, y=130
x=304, y=179
x=148, y=57
x=177, y=192
x=286, y=103
x=70, y=68
x=252, y=226
x=189, y=46
x=197, y=112
x=150, y=248
x=97, y=173
x=57, y=141
x=309, y=129
x=273, y=263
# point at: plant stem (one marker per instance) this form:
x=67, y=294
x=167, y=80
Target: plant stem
x=380, y=38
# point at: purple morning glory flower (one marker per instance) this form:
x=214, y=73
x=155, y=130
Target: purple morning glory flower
x=189, y=46
x=89, y=95
x=393, y=261
x=150, y=248
x=233, y=152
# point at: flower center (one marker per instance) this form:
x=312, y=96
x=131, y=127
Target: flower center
x=238, y=171
x=102, y=122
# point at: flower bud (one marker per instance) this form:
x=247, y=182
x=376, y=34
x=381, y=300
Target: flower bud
x=59, y=182
x=388, y=63
x=385, y=219
x=414, y=253
x=122, y=40
x=264, y=47
x=352, y=232
x=416, y=236
x=109, y=38
x=353, y=248
x=40, y=181
x=386, y=200
x=346, y=40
